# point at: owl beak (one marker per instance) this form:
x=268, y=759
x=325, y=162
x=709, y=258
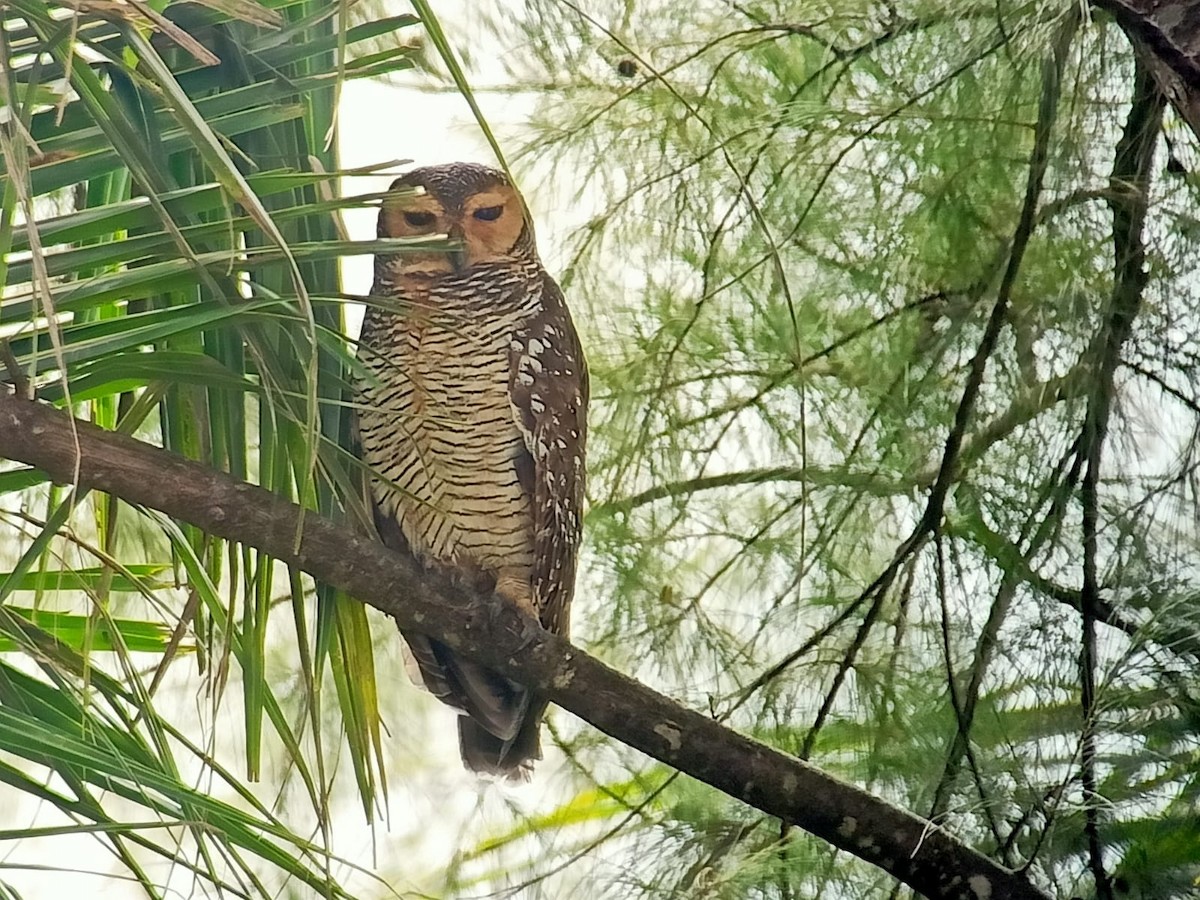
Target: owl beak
x=458, y=253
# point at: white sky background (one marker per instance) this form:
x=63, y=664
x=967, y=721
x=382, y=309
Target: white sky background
x=436, y=808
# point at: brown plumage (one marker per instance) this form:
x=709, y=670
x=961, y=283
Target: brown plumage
x=473, y=420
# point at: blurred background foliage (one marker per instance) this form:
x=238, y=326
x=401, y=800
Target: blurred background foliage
x=893, y=443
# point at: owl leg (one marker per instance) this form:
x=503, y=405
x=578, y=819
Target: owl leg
x=513, y=585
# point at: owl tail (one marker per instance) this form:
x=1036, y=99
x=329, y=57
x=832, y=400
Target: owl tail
x=487, y=754
x=498, y=734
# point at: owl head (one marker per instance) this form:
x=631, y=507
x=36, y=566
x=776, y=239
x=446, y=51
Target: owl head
x=475, y=206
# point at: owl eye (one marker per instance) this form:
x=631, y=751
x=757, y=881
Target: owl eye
x=488, y=213
x=419, y=219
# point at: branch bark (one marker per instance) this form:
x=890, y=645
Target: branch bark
x=1167, y=35
x=913, y=850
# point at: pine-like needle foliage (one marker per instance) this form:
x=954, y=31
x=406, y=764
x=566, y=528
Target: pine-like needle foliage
x=894, y=342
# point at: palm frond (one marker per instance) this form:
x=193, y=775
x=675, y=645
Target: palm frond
x=170, y=251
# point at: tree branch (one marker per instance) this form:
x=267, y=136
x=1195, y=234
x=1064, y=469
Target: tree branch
x=909, y=848
x=1166, y=33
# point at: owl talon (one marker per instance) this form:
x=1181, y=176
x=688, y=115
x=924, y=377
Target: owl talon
x=515, y=589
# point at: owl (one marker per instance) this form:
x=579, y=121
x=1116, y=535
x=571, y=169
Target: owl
x=471, y=416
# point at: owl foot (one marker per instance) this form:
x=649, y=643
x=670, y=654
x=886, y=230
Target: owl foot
x=516, y=589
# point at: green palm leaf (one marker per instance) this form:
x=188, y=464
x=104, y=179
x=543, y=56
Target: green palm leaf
x=171, y=251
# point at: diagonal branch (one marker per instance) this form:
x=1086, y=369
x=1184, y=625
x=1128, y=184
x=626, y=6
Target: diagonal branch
x=1166, y=35
x=909, y=848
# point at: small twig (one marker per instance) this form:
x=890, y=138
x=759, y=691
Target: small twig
x=847, y=662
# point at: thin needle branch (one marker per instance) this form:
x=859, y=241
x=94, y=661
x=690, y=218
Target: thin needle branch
x=1130, y=181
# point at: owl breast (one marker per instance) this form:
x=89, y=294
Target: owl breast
x=438, y=428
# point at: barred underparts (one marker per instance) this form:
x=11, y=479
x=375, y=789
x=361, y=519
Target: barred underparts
x=472, y=417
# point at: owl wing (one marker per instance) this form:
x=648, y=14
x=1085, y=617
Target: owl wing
x=548, y=390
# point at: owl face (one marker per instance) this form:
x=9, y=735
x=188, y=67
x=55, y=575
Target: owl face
x=475, y=206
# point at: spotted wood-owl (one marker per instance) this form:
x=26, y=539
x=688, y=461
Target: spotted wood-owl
x=472, y=418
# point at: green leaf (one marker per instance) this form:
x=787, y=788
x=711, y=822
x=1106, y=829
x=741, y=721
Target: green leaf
x=82, y=633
